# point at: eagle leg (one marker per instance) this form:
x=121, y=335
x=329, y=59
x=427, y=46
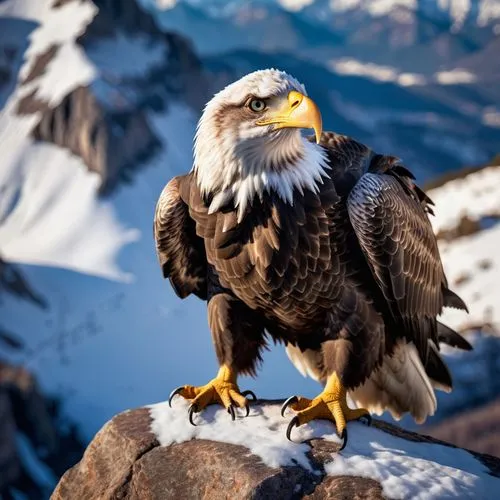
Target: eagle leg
x=222, y=390
x=331, y=405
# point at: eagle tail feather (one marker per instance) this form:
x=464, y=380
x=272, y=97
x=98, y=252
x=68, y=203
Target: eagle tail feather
x=437, y=371
x=451, y=299
x=399, y=385
x=450, y=337
x=307, y=362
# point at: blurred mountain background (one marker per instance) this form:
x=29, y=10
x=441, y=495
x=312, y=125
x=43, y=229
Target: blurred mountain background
x=98, y=107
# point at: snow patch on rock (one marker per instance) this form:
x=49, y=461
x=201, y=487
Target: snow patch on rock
x=404, y=468
x=416, y=470
x=295, y=5
x=263, y=432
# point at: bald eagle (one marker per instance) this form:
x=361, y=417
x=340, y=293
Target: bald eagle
x=316, y=242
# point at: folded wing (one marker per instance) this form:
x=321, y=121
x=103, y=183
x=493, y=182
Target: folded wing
x=181, y=253
x=389, y=217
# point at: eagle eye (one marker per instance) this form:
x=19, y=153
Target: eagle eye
x=257, y=105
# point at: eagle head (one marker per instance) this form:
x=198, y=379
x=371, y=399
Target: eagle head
x=248, y=141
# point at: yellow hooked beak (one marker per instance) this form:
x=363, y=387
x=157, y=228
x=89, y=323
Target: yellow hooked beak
x=298, y=112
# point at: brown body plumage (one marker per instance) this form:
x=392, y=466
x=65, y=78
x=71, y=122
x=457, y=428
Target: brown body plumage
x=347, y=275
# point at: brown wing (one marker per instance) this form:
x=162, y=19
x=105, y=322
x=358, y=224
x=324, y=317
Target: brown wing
x=180, y=251
x=396, y=237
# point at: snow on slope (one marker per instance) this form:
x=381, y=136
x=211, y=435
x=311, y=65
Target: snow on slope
x=295, y=5
x=377, y=72
x=60, y=26
x=51, y=218
x=482, y=12
x=404, y=469
x=59, y=78
x=58, y=221
x=472, y=263
x=48, y=196
x=105, y=346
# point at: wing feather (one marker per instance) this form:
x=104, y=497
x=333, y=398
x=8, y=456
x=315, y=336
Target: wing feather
x=181, y=253
x=396, y=237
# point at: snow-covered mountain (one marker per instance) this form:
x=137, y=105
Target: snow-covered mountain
x=456, y=12
x=98, y=108
x=467, y=17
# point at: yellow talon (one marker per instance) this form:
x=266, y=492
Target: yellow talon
x=222, y=390
x=331, y=405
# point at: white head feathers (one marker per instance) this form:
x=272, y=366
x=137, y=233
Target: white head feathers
x=236, y=159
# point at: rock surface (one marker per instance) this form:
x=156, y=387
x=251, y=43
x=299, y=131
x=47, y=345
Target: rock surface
x=125, y=460
x=12, y=281
x=22, y=409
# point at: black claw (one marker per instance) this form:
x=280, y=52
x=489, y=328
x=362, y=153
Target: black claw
x=173, y=393
x=191, y=411
x=290, y=401
x=293, y=423
x=246, y=408
x=343, y=436
x=230, y=410
x=367, y=419
x=249, y=393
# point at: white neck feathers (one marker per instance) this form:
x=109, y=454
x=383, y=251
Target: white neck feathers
x=280, y=166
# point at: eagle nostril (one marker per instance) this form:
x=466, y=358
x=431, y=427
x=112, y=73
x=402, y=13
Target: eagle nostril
x=295, y=103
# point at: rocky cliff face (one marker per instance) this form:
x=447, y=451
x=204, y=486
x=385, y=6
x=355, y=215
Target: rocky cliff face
x=111, y=143
x=132, y=457
x=13, y=282
x=27, y=417
x=26, y=412
x=9, y=461
x=105, y=122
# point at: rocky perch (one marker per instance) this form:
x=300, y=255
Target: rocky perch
x=154, y=453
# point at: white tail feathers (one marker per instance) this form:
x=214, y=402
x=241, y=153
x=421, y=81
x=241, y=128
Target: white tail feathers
x=308, y=362
x=400, y=385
